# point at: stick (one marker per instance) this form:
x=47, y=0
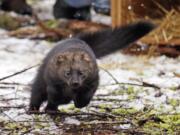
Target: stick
x=110, y=74
x=106, y=122
x=144, y=84
x=17, y=107
x=66, y=114
x=7, y=87
x=8, y=116
x=13, y=83
x=17, y=73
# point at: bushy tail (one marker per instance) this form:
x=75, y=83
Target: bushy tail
x=110, y=40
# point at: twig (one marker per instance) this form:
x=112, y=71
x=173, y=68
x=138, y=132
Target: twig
x=106, y=114
x=17, y=107
x=17, y=73
x=160, y=6
x=107, y=108
x=7, y=87
x=110, y=99
x=110, y=74
x=106, y=122
x=13, y=83
x=8, y=99
x=66, y=114
x=27, y=131
x=144, y=84
x=33, y=121
x=8, y=116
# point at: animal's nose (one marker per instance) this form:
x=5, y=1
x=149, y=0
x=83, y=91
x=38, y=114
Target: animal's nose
x=75, y=84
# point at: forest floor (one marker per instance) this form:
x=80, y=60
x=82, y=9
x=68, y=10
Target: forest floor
x=137, y=94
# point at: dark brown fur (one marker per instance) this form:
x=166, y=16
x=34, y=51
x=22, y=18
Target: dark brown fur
x=66, y=74
x=70, y=73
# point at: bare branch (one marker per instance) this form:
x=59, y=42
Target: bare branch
x=18, y=107
x=7, y=87
x=144, y=84
x=68, y=114
x=116, y=81
x=17, y=73
x=14, y=83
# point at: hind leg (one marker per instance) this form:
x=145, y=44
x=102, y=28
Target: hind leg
x=51, y=107
x=36, y=100
x=38, y=94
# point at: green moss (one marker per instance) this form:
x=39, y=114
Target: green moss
x=118, y=92
x=173, y=88
x=16, y=127
x=104, y=106
x=170, y=125
x=8, y=22
x=73, y=108
x=130, y=97
x=173, y=102
x=38, y=126
x=70, y=108
x=102, y=110
x=123, y=111
x=63, y=110
x=52, y=23
x=174, y=119
x=130, y=90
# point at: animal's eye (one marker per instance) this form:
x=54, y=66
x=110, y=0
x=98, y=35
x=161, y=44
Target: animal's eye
x=82, y=74
x=67, y=73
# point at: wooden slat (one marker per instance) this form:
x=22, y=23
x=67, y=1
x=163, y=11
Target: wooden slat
x=114, y=13
x=118, y=12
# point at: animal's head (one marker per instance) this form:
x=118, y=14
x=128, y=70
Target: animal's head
x=74, y=68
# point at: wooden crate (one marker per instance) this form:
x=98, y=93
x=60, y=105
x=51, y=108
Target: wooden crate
x=120, y=15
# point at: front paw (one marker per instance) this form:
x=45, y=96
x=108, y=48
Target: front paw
x=81, y=104
x=51, y=109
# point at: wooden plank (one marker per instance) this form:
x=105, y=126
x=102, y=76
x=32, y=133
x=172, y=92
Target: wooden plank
x=119, y=12
x=114, y=12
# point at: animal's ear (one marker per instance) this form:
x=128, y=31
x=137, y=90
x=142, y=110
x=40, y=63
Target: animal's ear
x=85, y=57
x=60, y=59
